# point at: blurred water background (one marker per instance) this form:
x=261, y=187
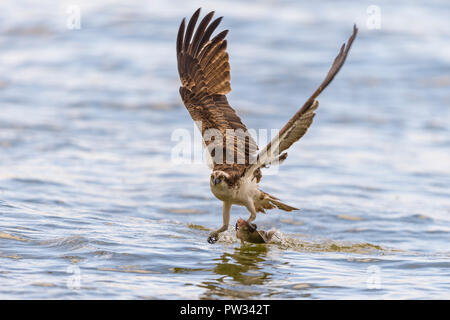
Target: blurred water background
x=92, y=207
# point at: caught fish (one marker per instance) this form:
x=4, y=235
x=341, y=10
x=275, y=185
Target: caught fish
x=247, y=232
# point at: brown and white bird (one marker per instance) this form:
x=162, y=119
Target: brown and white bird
x=236, y=163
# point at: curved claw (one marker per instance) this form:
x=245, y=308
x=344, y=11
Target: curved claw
x=252, y=226
x=213, y=237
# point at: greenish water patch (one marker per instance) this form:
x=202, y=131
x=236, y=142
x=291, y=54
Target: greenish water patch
x=197, y=227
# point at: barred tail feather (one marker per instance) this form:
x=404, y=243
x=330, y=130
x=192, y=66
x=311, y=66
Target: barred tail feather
x=270, y=202
x=282, y=206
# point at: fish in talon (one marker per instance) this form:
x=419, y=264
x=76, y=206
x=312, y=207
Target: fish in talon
x=246, y=232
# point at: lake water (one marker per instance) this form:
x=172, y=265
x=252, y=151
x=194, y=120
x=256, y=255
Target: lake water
x=93, y=207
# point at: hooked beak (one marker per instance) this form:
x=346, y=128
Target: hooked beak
x=217, y=181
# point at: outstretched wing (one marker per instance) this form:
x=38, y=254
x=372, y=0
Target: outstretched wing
x=297, y=126
x=205, y=77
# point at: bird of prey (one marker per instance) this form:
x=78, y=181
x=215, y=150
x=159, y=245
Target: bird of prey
x=234, y=158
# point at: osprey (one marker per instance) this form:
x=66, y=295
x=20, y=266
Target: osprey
x=234, y=158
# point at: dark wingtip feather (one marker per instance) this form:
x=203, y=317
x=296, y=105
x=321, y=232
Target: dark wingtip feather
x=209, y=32
x=335, y=67
x=197, y=12
x=197, y=41
x=190, y=29
x=352, y=37
x=180, y=35
x=220, y=36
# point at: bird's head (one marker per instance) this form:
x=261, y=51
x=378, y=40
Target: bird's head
x=219, y=178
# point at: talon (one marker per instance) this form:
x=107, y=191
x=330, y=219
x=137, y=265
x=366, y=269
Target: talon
x=252, y=226
x=213, y=237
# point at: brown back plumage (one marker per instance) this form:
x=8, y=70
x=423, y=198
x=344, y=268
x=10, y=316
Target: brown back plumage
x=205, y=77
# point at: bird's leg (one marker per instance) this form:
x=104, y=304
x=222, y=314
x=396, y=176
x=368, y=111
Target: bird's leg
x=226, y=209
x=251, y=207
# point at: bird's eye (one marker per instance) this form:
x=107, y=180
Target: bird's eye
x=217, y=180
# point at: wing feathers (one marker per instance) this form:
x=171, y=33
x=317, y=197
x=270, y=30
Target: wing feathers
x=190, y=29
x=205, y=77
x=206, y=53
x=200, y=32
x=204, y=72
x=180, y=36
x=335, y=67
x=297, y=126
x=208, y=33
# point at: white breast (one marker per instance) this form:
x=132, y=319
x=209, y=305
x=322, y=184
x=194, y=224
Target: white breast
x=240, y=195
